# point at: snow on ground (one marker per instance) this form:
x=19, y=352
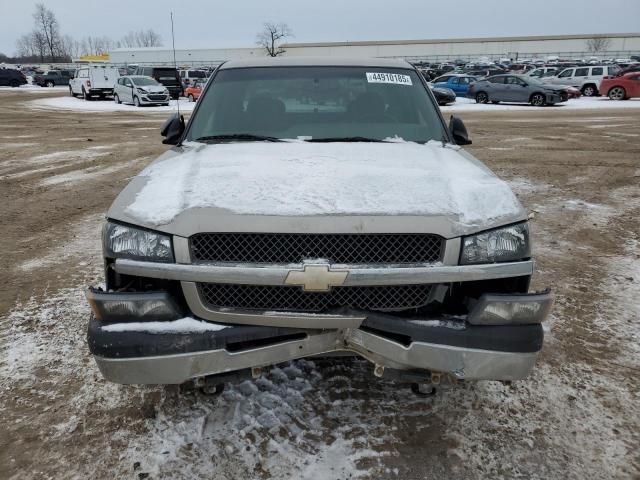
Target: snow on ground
x=48, y=161
x=107, y=105
x=33, y=89
x=463, y=104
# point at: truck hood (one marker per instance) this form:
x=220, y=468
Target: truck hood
x=297, y=186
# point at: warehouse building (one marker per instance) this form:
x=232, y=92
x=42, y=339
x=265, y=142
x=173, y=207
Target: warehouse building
x=566, y=46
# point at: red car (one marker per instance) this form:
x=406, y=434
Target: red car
x=622, y=87
x=193, y=92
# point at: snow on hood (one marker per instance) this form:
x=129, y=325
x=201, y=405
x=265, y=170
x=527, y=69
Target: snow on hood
x=307, y=179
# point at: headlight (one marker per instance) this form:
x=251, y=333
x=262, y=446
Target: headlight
x=120, y=241
x=500, y=245
x=142, y=90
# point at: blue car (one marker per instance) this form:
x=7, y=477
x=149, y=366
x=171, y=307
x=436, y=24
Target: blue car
x=458, y=83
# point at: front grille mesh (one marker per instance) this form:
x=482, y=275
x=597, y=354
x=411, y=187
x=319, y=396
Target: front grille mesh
x=336, y=248
x=292, y=298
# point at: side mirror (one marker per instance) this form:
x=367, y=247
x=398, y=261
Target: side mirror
x=173, y=129
x=458, y=131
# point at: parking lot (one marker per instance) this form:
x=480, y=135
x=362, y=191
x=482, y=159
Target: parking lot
x=577, y=170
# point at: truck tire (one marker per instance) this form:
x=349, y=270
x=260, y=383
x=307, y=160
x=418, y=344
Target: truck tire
x=14, y=83
x=50, y=84
x=85, y=95
x=589, y=90
x=191, y=98
x=71, y=91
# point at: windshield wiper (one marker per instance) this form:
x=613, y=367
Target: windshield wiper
x=345, y=139
x=245, y=137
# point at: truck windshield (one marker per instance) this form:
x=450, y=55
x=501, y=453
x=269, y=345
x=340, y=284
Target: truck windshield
x=315, y=103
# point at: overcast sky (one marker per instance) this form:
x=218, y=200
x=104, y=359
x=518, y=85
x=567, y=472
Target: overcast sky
x=234, y=23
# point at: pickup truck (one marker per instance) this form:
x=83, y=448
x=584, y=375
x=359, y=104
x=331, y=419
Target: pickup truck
x=279, y=227
x=53, y=78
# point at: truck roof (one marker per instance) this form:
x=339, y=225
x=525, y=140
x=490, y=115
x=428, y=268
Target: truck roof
x=317, y=62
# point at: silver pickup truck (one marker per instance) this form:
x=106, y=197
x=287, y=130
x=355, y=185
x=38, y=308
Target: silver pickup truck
x=310, y=207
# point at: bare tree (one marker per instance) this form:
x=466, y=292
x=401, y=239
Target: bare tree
x=598, y=44
x=141, y=38
x=272, y=36
x=47, y=26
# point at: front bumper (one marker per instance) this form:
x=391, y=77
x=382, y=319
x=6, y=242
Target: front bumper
x=464, y=351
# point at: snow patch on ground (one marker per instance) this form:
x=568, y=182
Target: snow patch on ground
x=298, y=178
x=463, y=104
x=83, y=240
x=77, y=176
x=77, y=104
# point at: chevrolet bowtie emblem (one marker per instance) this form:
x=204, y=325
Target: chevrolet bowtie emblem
x=316, y=278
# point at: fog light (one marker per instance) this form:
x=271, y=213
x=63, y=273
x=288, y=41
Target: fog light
x=132, y=306
x=511, y=309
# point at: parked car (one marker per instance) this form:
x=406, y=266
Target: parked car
x=573, y=92
x=517, y=88
x=458, y=83
x=622, y=87
x=444, y=96
x=586, y=78
x=193, y=91
x=54, y=77
x=167, y=76
x=11, y=78
x=237, y=250
x=542, y=72
x=92, y=80
x=190, y=76
x=140, y=90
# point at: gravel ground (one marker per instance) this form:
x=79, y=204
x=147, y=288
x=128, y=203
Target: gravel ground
x=577, y=416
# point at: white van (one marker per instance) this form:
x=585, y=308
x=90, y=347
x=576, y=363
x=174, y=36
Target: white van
x=94, y=80
x=188, y=77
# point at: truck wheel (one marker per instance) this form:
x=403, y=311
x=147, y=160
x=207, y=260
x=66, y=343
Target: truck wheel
x=482, y=97
x=50, y=84
x=191, y=99
x=589, y=90
x=85, y=95
x=116, y=98
x=14, y=83
x=71, y=92
x=617, y=93
x=538, y=100
x=136, y=102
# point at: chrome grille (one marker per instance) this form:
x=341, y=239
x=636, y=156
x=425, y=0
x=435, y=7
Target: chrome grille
x=291, y=298
x=336, y=248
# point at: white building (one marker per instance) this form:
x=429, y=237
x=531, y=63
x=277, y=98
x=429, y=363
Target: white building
x=566, y=46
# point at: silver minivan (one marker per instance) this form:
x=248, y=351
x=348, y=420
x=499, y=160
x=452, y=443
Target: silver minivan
x=140, y=90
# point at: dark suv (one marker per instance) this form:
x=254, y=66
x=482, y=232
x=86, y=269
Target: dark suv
x=11, y=78
x=167, y=76
x=53, y=78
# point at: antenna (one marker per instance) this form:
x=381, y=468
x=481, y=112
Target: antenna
x=175, y=64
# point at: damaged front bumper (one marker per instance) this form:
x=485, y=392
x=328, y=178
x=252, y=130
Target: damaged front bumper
x=450, y=346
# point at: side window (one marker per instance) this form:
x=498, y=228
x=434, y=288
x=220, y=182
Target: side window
x=566, y=73
x=464, y=80
x=613, y=70
x=455, y=80
x=597, y=71
x=496, y=79
x=581, y=72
